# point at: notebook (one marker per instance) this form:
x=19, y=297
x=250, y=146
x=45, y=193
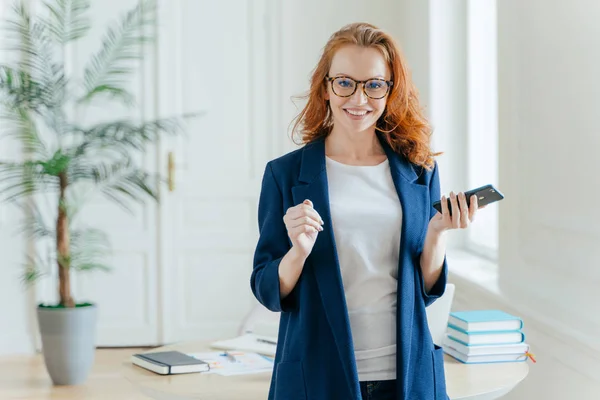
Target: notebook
x=477, y=338
x=485, y=358
x=169, y=363
x=485, y=320
x=479, y=350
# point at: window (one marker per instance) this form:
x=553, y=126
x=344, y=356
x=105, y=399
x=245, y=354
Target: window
x=482, y=132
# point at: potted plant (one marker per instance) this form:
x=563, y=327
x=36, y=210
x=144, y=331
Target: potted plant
x=41, y=107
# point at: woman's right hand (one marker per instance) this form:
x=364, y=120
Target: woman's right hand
x=303, y=224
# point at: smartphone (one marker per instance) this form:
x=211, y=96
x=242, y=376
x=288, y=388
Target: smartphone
x=485, y=195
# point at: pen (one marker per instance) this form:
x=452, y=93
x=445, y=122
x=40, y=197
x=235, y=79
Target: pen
x=266, y=341
x=230, y=357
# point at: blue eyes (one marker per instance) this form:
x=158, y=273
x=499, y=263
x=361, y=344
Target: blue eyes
x=345, y=83
x=374, y=85
x=349, y=83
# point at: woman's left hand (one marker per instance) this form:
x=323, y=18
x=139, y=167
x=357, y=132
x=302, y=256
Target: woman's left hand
x=462, y=215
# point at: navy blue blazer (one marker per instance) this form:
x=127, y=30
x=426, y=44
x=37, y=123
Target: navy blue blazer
x=315, y=353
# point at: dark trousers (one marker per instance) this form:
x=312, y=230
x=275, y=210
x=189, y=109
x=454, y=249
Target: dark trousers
x=378, y=390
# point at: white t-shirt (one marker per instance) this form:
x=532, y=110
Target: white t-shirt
x=367, y=221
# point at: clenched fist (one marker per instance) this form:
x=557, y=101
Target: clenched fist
x=303, y=224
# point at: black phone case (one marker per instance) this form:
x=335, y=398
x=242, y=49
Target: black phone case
x=485, y=195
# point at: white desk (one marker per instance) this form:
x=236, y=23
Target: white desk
x=463, y=381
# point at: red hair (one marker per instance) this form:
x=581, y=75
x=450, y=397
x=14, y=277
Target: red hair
x=402, y=123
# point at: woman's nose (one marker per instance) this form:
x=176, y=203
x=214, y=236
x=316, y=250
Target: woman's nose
x=359, y=96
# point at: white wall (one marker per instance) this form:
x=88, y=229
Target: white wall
x=446, y=53
x=549, y=91
x=549, y=94
x=16, y=318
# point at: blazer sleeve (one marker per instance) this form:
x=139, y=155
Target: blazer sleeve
x=273, y=244
x=440, y=286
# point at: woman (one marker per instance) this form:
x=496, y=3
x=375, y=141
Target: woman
x=351, y=250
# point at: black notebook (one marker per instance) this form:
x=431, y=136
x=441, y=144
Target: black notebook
x=169, y=362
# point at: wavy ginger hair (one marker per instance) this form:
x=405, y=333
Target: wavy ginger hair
x=402, y=123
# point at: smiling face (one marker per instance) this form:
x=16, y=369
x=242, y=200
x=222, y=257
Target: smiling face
x=357, y=113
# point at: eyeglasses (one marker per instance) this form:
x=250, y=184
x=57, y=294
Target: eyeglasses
x=375, y=88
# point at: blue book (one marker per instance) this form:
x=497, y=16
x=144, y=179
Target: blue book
x=485, y=358
x=485, y=338
x=485, y=349
x=485, y=321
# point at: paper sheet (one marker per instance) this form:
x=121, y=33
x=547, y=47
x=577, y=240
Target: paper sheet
x=245, y=363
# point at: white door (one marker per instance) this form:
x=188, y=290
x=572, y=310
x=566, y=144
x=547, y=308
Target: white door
x=214, y=59
x=182, y=269
x=127, y=295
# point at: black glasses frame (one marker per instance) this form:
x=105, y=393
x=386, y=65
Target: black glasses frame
x=389, y=84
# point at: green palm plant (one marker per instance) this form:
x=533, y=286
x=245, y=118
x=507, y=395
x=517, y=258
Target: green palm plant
x=41, y=108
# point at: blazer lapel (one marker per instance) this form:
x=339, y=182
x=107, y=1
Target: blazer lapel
x=414, y=199
x=313, y=186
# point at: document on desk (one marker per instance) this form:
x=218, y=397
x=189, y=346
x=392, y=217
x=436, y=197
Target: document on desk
x=249, y=342
x=235, y=362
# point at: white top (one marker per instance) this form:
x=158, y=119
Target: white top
x=367, y=220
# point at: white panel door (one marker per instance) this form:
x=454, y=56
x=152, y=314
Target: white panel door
x=127, y=295
x=215, y=58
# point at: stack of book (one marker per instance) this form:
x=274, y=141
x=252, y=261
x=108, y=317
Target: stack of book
x=485, y=336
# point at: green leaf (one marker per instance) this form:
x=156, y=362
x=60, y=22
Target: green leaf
x=18, y=30
x=89, y=249
x=120, y=137
x=35, y=268
x=67, y=19
x=57, y=164
x=34, y=225
x=18, y=90
x=18, y=180
x=32, y=274
x=36, y=52
x=114, y=143
x=133, y=186
x=109, y=71
x=18, y=125
x=111, y=92
x=86, y=267
x=120, y=180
